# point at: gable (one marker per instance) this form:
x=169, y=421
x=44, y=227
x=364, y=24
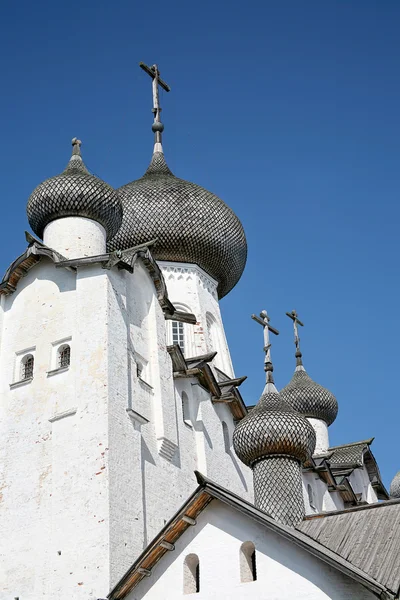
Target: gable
x=216, y=540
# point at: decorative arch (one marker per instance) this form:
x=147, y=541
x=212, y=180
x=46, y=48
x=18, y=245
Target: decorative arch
x=191, y=574
x=248, y=566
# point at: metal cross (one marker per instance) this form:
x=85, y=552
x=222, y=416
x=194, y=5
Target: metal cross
x=296, y=321
x=264, y=320
x=155, y=75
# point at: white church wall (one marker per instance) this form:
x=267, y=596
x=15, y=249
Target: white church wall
x=74, y=237
x=317, y=497
x=52, y=500
x=189, y=285
x=284, y=570
x=361, y=484
x=321, y=435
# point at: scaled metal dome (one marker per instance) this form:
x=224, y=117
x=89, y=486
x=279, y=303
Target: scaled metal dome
x=273, y=427
x=309, y=398
x=190, y=224
x=302, y=393
x=395, y=486
x=75, y=193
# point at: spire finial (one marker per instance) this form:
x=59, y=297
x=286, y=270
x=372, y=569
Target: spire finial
x=76, y=146
x=264, y=320
x=296, y=321
x=157, y=126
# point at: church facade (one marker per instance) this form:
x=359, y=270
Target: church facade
x=117, y=387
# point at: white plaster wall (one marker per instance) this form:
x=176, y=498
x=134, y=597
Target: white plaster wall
x=192, y=287
x=361, y=484
x=321, y=434
x=284, y=571
x=324, y=500
x=75, y=237
x=153, y=452
x=53, y=501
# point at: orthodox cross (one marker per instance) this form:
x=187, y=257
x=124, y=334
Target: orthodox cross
x=157, y=81
x=296, y=321
x=264, y=320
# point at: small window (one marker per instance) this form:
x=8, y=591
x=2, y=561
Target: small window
x=186, y=409
x=227, y=439
x=311, y=497
x=248, y=567
x=191, y=574
x=27, y=367
x=178, y=335
x=64, y=356
x=139, y=369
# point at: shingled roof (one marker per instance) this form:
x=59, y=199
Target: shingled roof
x=368, y=537
x=375, y=574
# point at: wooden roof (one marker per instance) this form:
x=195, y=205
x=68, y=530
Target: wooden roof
x=203, y=496
x=367, y=536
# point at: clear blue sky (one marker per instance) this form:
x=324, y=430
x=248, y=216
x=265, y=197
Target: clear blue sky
x=287, y=110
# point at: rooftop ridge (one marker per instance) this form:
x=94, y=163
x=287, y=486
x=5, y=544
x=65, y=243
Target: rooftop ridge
x=367, y=441
x=351, y=509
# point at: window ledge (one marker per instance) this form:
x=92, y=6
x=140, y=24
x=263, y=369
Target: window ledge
x=58, y=370
x=188, y=423
x=20, y=383
x=135, y=416
x=145, y=384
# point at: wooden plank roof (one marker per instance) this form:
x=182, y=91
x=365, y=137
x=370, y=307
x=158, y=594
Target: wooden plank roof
x=368, y=537
x=202, y=497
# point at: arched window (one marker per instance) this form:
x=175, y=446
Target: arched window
x=248, y=568
x=191, y=574
x=64, y=356
x=27, y=364
x=186, y=409
x=311, y=497
x=227, y=439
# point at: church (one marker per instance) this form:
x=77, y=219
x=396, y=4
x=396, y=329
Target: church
x=130, y=466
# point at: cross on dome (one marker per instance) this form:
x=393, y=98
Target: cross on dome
x=157, y=126
x=76, y=145
x=296, y=321
x=264, y=320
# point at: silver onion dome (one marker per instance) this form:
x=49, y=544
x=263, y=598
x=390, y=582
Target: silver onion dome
x=272, y=427
x=395, y=486
x=190, y=224
x=309, y=398
x=75, y=193
x=302, y=393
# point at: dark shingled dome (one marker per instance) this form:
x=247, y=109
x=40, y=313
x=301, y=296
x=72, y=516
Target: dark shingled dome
x=272, y=427
x=74, y=193
x=309, y=398
x=190, y=224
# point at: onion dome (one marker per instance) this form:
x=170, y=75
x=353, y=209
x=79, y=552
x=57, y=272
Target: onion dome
x=272, y=427
x=75, y=193
x=305, y=395
x=190, y=224
x=395, y=486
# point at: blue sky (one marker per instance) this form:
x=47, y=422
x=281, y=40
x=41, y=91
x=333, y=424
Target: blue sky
x=287, y=110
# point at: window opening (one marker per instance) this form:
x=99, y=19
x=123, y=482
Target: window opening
x=64, y=356
x=186, y=409
x=178, y=335
x=191, y=574
x=248, y=566
x=227, y=441
x=311, y=497
x=27, y=367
